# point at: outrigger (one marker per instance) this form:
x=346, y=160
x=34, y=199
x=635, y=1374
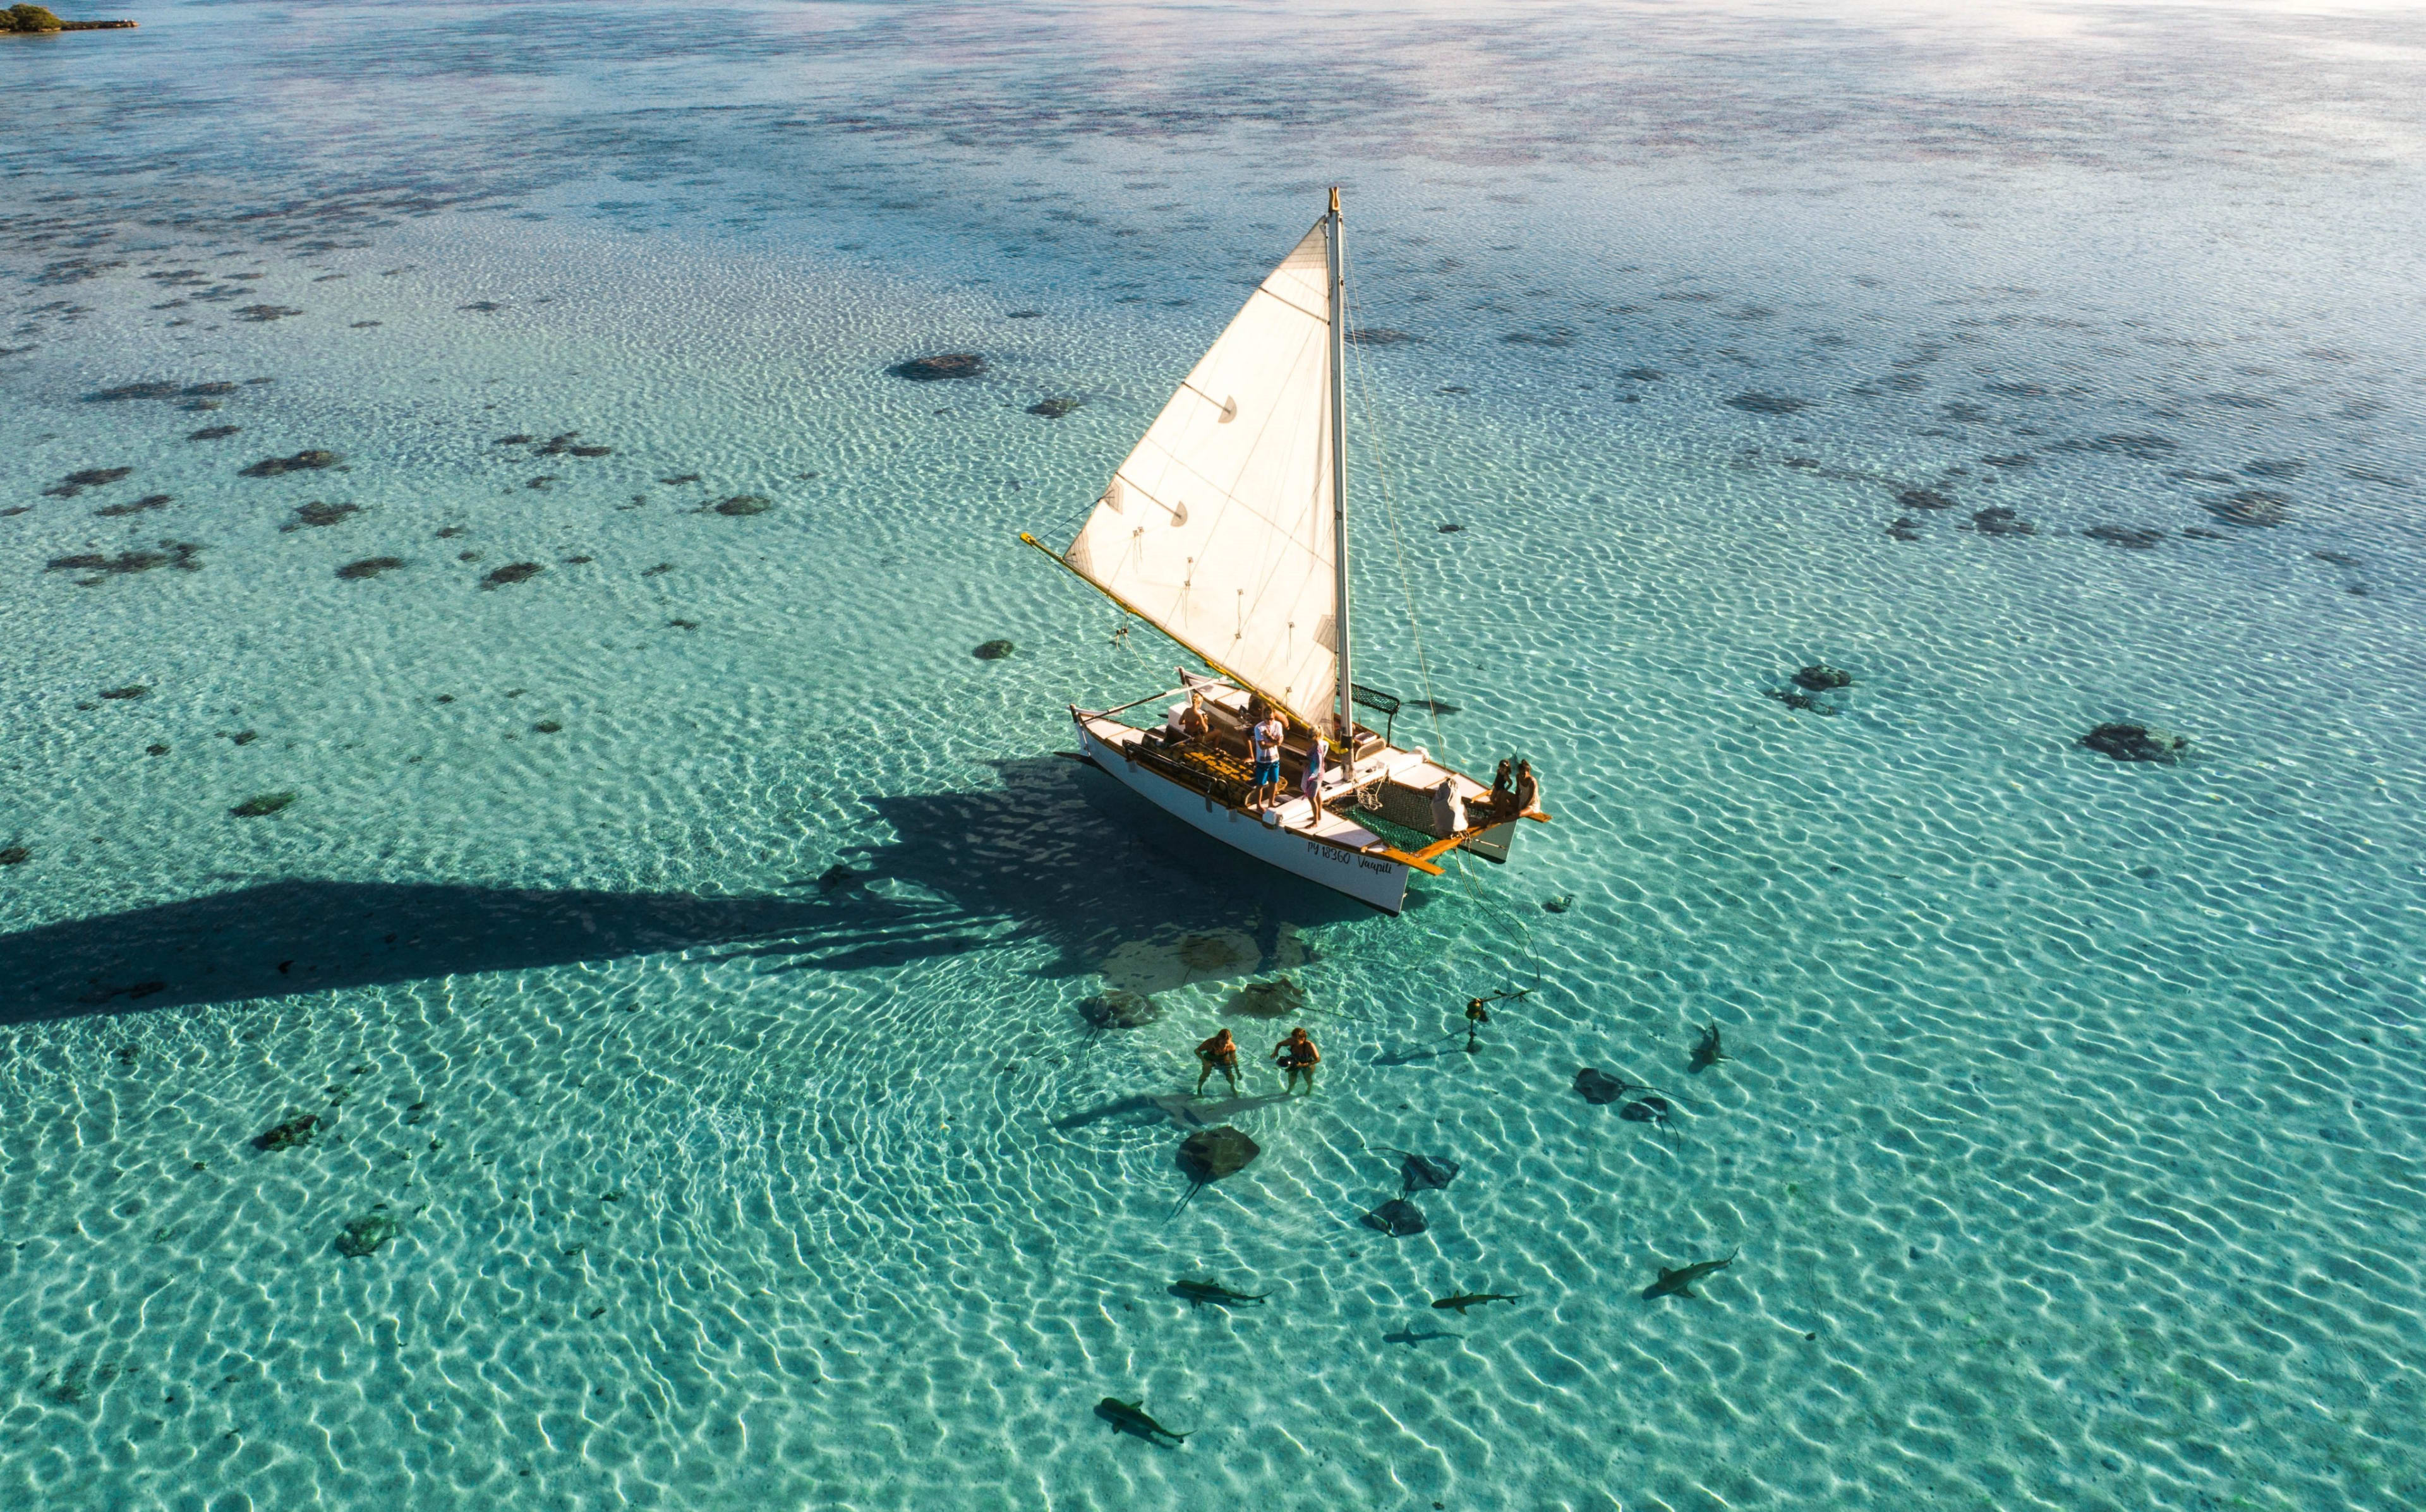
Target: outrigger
x=1226, y=529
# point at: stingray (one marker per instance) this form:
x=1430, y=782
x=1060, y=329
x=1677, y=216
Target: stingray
x=1596, y=1085
x=1398, y=1218
x=1653, y=1109
x=1210, y=1154
x=1422, y=1173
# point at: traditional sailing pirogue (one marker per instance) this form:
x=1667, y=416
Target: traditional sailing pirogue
x=1227, y=530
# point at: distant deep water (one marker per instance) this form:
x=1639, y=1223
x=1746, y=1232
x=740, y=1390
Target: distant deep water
x=522, y=987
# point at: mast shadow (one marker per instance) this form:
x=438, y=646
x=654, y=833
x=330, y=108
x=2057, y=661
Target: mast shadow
x=310, y=935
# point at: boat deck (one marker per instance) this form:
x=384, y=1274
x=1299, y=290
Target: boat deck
x=1222, y=778
x=1395, y=782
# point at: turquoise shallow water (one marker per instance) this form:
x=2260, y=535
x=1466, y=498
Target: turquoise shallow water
x=2071, y=1141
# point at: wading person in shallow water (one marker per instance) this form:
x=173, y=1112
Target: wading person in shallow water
x=1296, y=1057
x=1218, y=1054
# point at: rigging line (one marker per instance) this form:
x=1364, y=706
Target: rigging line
x=1390, y=512
x=1389, y=505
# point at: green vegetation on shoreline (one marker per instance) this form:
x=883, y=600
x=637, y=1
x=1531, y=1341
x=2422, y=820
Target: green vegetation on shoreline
x=34, y=19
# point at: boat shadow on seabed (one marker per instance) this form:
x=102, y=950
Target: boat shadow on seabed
x=1056, y=854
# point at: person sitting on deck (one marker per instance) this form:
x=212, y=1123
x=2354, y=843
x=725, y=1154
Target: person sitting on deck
x=1528, y=791
x=1218, y=1054
x=1194, y=727
x=1503, y=785
x=1296, y=1057
x=1311, y=783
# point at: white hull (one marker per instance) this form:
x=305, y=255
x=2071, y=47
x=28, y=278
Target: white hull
x=1338, y=864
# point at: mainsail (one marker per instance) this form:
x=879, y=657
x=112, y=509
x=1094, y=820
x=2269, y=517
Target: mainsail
x=1219, y=526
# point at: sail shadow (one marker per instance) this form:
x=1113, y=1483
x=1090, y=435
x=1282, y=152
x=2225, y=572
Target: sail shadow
x=1056, y=854
x=1061, y=855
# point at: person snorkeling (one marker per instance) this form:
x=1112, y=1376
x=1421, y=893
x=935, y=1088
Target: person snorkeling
x=1296, y=1057
x=1218, y=1054
x=1476, y=1017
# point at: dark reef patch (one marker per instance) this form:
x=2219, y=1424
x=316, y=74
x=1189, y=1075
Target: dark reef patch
x=369, y=567
x=2001, y=521
x=943, y=365
x=119, y=511
x=1767, y=404
x=2131, y=537
x=2251, y=507
x=365, y=1234
x=309, y=461
x=90, y=478
x=292, y=1134
x=2135, y=742
x=317, y=514
x=183, y=554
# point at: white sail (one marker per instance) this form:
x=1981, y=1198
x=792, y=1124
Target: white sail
x=1218, y=525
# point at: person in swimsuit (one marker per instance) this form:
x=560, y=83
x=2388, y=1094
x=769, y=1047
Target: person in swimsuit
x=1218, y=1054
x=1503, y=789
x=1193, y=725
x=1296, y=1057
x=1317, y=753
x=1529, y=792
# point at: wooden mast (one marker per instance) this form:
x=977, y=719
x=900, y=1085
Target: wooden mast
x=1346, y=744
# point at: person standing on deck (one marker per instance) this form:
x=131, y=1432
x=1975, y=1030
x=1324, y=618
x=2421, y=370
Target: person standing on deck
x=1296, y=1057
x=1318, y=753
x=1218, y=1054
x=1266, y=739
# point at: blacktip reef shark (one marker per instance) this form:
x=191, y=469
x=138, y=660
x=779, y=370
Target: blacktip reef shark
x=1680, y=1283
x=1708, y=1050
x=1473, y=1299
x=1130, y=1417
x=1196, y=1294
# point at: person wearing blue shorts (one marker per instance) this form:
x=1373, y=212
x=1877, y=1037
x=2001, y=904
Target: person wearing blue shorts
x=1264, y=787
